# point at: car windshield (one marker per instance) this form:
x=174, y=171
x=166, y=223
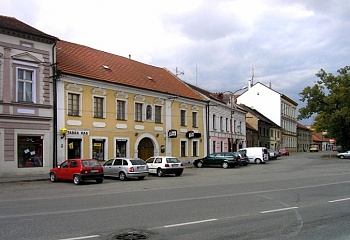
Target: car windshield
x=90, y=163
x=172, y=160
x=137, y=162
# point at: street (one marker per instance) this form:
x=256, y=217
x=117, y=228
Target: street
x=302, y=196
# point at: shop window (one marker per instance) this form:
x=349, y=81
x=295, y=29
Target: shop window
x=30, y=151
x=120, y=148
x=98, y=149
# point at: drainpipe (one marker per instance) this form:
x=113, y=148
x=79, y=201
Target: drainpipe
x=208, y=137
x=54, y=78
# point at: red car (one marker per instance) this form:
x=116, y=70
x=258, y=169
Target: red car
x=284, y=152
x=78, y=170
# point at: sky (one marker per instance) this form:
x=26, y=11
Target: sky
x=214, y=44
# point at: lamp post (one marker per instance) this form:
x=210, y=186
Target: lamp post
x=232, y=107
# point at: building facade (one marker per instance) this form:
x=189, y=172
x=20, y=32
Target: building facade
x=26, y=102
x=114, y=106
x=304, y=138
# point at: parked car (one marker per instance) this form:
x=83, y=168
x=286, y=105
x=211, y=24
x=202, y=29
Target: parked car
x=124, y=168
x=256, y=154
x=244, y=158
x=162, y=165
x=314, y=148
x=221, y=159
x=284, y=152
x=78, y=170
x=273, y=154
x=344, y=155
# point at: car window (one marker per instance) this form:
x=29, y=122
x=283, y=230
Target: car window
x=158, y=160
x=109, y=162
x=73, y=164
x=90, y=163
x=137, y=162
x=117, y=162
x=64, y=164
x=172, y=160
x=125, y=163
x=211, y=155
x=150, y=160
x=228, y=155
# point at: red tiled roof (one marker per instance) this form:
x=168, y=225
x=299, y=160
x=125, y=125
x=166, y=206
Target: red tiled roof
x=8, y=25
x=83, y=61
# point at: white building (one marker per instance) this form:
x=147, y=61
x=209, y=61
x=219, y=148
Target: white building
x=275, y=106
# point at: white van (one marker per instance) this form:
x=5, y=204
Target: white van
x=256, y=154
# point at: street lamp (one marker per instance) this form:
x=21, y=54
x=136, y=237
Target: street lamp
x=232, y=107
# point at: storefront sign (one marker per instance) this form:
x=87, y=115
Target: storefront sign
x=77, y=132
x=172, y=133
x=192, y=134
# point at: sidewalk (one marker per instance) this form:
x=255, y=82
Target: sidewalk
x=7, y=178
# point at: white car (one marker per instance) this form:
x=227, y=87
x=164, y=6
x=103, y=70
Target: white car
x=162, y=165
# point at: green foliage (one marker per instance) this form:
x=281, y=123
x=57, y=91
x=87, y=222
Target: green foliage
x=329, y=100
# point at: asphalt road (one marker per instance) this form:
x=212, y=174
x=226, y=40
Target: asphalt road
x=303, y=196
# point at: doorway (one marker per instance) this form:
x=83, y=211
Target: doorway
x=74, y=148
x=145, y=148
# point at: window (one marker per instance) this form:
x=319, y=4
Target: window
x=121, y=110
x=25, y=85
x=226, y=125
x=195, y=148
x=158, y=114
x=98, y=107
x=214, y=146
x=194, y=119
x=73, y=104
x=183, y=117
x=183, y=148
x=138, y=112
x=214, y=122
x=149, y=112
x=98, y=146
x=221, y=124
x=30, y=151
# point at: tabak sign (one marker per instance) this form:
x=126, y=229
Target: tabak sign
x=172, y=133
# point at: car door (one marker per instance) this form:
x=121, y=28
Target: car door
x=62, y=173
x=107, y=167
x=209, y=160
x=117, y=166
x=150, y=164
x=218, y=159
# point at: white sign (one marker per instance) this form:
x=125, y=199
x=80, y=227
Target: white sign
x=77, y=132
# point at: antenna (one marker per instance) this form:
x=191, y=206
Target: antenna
x=177, y=72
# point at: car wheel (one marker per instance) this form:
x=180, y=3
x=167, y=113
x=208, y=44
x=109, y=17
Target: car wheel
x=76, y=179
x=200, y=164
x=160, y=172
x=100, y=180
x=342, y=156
x=225, y=165
x=53, y=177
x=258, y=161
x=122, y=176
x=141, y=178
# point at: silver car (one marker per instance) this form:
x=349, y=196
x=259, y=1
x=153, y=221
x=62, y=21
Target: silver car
x=344, y=155
x=124, y=168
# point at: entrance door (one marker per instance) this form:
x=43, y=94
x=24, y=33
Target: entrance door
x=145, y=148
x=74, y=148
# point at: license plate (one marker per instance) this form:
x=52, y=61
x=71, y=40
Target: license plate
x=141, y=167
x=94, y=171
x=175, y=165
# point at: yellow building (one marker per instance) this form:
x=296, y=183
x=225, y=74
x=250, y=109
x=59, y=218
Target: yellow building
x=110, y=106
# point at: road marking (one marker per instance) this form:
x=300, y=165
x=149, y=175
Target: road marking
x=339, y=200
x=278, y=210
x=189, y=223
x=85, y=237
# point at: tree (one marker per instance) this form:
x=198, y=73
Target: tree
x=329, y=100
